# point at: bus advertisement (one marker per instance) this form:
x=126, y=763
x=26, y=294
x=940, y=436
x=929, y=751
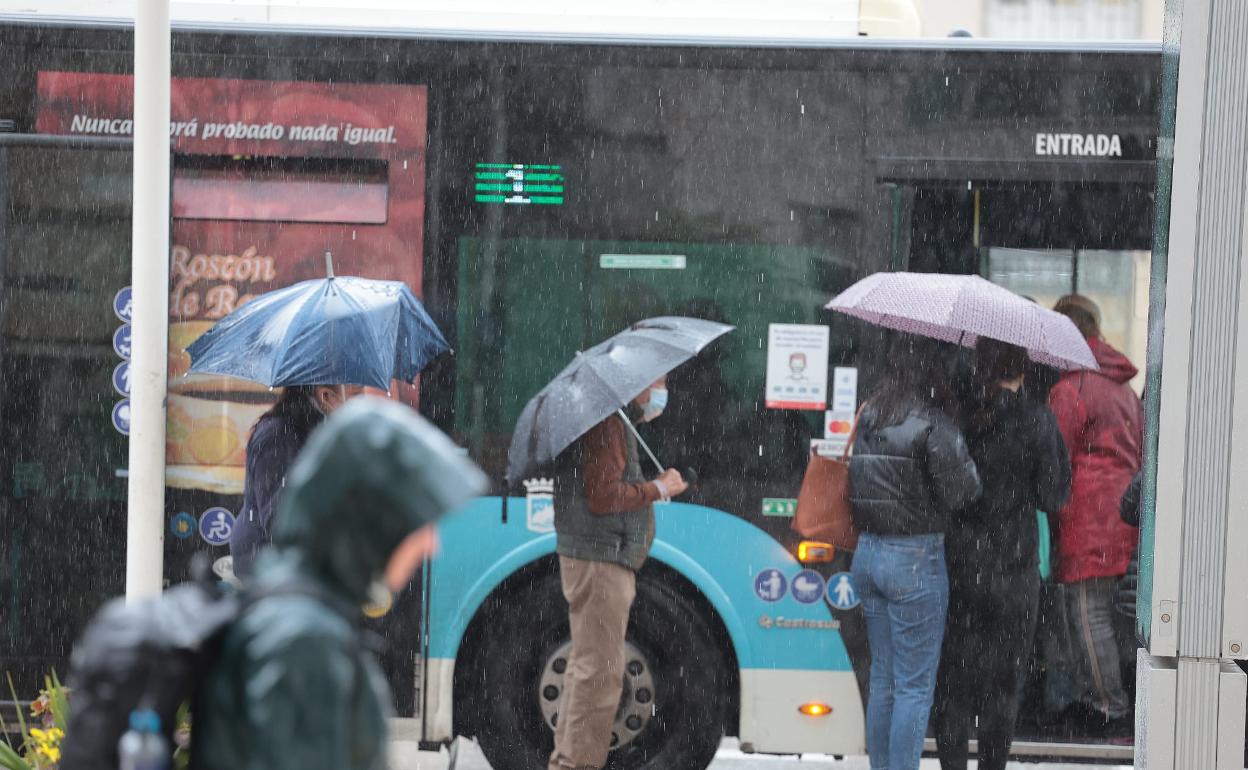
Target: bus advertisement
x=540, y=197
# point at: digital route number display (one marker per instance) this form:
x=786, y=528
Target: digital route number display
x=519, y=184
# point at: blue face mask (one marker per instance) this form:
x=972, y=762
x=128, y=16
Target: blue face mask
x=655, y=406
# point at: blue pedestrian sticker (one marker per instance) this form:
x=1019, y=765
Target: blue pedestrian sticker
x=121, y=416
x=770, y=585
x=121, y=341
x=807, y=586
x=121, y=378
x=183, y=525
x=215, y=526
x=122, y=304
x=841, y=592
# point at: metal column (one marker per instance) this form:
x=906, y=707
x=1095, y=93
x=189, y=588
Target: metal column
x=150, y=284
x=1190, y=701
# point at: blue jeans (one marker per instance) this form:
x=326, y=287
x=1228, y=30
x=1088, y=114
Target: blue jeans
x=904, y=588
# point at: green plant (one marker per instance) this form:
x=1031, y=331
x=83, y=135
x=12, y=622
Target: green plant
x=40, y=748
x=182, y=738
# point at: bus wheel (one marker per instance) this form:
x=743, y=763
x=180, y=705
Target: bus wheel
x=670, y=712
x=637, y=698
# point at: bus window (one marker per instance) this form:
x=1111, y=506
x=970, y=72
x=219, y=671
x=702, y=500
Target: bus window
x=62, y=485
x=281, y=190
x=1117, y=281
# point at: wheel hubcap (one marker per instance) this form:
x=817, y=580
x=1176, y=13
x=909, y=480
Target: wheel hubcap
x=636, y=700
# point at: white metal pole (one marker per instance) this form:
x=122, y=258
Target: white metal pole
x=149, y=281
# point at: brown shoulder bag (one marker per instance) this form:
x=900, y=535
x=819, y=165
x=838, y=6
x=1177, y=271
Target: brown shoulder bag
x=823, y=511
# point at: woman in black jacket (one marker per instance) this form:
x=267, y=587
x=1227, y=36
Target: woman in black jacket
x=909, y=471
x=992, y=551
x=275, y=441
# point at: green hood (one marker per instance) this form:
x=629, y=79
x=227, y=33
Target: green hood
x=372, y=474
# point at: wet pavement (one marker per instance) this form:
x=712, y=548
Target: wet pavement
x=468, y=756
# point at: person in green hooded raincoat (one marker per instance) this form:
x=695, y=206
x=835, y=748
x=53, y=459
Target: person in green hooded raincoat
x=295, y=685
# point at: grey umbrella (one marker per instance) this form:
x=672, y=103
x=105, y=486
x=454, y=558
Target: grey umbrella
x=601, y=381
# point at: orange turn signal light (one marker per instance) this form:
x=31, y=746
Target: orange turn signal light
x=814, y=709
x=815, y=551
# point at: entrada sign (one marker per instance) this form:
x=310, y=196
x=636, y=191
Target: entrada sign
x=1096, y=145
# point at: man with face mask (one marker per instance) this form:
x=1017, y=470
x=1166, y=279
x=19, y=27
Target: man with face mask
x=275, y=441
x=604, y=525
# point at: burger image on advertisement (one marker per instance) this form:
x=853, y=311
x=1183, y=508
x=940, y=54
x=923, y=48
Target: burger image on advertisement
x=209, y=420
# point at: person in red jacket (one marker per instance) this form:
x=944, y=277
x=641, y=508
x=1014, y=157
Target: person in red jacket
x=1102, y=421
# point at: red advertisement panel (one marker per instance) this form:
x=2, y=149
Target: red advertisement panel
x=268, y=176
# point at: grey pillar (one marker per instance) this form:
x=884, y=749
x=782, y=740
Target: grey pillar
x=1190, y=704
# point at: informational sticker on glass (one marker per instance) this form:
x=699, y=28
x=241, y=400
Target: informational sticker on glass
x=518, y=183
x=797, y=366
x=779, y=506
x=845, y=389
x=827, y=448
x=837, y=425
x=642, y=261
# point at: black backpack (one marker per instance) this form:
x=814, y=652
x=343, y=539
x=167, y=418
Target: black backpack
x=152, y=654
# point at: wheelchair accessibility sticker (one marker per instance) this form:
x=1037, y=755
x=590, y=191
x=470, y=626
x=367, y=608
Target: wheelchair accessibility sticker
x=215, y=526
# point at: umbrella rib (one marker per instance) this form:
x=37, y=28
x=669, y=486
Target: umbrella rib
x=284, y=350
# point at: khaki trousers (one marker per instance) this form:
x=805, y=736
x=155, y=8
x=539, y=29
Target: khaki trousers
x=599, y=595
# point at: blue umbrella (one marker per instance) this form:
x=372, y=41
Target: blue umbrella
x=338, y=330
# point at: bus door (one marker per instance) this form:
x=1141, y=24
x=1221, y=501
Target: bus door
x=1041, y=234
x=268, y=176
x=64, y=266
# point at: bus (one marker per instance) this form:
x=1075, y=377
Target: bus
x=540, y=194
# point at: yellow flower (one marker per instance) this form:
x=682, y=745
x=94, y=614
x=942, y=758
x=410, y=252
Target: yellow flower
x=50, y=753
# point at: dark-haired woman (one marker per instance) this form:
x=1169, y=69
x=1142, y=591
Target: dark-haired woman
x=909, y=472
x=992, y=550
x=275, y=441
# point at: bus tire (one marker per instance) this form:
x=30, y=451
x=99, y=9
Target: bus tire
x=522, y=632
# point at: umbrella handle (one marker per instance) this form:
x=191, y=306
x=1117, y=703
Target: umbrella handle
x=640, y=440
